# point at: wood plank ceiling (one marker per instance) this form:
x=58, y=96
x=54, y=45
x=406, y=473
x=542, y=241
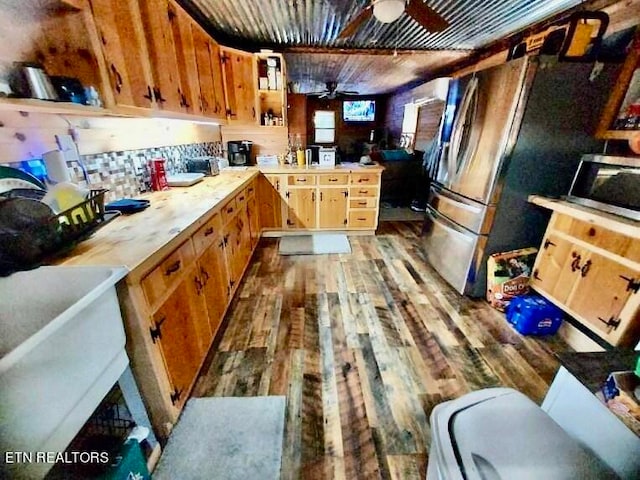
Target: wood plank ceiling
x=295, y=26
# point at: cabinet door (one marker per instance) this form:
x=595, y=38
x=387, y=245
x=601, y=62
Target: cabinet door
x=179, y=323
x=601, y=293
x=205, y=71
x=254, y=221
x=301, y=208
x=189, y=84
x=333, y=208
x=243, y=251
x=162, y=53
x=220, y=108
x=215, y=282
x=239, y=86
x=553, y=272
x=123, y=43
x=270, y=200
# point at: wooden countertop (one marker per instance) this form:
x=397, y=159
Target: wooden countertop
x=138, y=241
x=340, y=168
x=590, y=215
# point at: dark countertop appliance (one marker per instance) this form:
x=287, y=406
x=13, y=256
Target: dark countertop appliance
x=508, y=132
x=207, y=165
x=239, y=152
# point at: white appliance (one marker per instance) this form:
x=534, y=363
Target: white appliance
x=327, y=157
x=267, y=160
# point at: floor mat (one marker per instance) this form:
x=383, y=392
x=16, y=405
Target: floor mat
x=226, y=437
x=318, y=244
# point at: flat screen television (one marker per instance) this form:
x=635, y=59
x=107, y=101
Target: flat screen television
x=359, y=110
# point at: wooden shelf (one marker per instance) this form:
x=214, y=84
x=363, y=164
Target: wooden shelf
x=45, y=106
x=619, y=134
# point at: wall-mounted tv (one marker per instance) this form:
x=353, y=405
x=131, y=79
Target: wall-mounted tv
x=359, y=110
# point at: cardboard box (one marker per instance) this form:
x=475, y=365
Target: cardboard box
x=508, y=276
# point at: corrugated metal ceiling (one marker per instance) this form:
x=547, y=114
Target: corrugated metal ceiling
x=282, y=24
x=473, y=23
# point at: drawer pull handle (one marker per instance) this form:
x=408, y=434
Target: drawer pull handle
x=230, y=210
x=360, y=180
x=173, y=268
x=208, y=231
x=363, y=204
x=333, y=179
x=250, y=190
x=363, y=191
x=362, y=219
x=301, y=180
x=241, y=198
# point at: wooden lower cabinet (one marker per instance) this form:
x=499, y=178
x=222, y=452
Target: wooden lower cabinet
x=214, y=279
x=270, y=201
x=301, y=208
x=600, y=289
x=254, y=221
x=332, y=211
x=181, y=330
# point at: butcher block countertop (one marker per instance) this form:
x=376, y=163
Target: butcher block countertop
x=340, y=168
x=140, y=240
x=609, y=221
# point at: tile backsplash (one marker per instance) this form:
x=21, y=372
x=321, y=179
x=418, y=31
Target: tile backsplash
x=125, y=173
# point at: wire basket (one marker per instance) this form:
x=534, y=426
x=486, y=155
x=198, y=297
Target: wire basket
x=46, y=238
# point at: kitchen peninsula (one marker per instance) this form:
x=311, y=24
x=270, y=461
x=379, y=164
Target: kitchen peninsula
x=186, y=255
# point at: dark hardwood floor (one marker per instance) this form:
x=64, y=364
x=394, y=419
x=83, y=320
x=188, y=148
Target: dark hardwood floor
x=364, y=346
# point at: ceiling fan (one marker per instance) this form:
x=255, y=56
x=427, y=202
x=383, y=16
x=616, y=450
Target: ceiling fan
x=331, y=91
x=387, y=11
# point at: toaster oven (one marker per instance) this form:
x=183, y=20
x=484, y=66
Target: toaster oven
x=608, y=183
x=207, y=165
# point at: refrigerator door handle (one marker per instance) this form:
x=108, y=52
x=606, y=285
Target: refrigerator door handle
x=457, y=202
x=450, y=226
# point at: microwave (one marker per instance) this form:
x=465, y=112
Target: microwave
x=608, y=183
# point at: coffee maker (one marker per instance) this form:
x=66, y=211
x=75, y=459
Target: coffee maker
x=239, y=152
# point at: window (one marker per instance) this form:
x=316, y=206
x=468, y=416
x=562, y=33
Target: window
x=325, y=126
x=409, y=124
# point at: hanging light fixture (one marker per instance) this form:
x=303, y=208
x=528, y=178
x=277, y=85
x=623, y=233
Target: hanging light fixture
x=387, y=11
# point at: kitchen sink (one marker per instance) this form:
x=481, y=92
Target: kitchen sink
x=61, y=350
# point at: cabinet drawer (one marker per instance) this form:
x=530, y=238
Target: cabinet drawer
x=598, y=236
x=301, y=180
x=334, y=179
x=167, y=273
x=241, y=199
x=363, y=191
x=207, y=233
x=362, y=219
x=229, y=211
x=363, y=202
x=364, y=178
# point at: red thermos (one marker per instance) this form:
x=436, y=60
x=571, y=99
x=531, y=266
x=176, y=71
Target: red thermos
x=158, y=174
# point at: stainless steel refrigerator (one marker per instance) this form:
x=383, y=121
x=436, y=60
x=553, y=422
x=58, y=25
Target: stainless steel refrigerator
x=507, y=132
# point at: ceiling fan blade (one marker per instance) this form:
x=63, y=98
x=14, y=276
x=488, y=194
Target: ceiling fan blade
x=348, y=92
x=317, y=93
x=354, y=24
x=426, y=16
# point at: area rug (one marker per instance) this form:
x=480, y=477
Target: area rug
x=318, y=244
x=226, y=437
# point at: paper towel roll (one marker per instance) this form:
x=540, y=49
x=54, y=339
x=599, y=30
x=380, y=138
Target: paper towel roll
x=57, y=170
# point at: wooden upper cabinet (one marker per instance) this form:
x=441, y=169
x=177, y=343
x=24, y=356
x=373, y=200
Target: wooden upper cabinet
x=218, y=83
x=162, y=53
x=239, y=85
x=119, y=25
x=189, y=83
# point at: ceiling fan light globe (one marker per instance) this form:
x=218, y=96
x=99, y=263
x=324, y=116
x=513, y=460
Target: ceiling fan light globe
x=387, y=11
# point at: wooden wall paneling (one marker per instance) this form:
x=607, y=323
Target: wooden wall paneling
x=429, y=116
x=27, y=136
x=266, y=140
x=350, y=136
x=297, y=114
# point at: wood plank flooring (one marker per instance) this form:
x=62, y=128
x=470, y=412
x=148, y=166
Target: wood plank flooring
x=364, y=346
